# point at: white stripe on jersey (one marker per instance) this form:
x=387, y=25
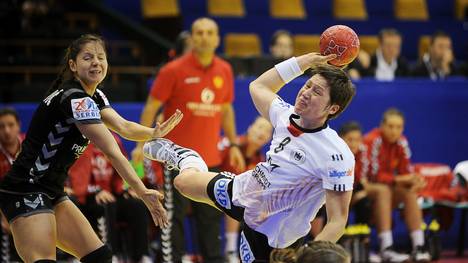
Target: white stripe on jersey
x=282, y=194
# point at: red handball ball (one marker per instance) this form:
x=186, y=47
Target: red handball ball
x=342, y=41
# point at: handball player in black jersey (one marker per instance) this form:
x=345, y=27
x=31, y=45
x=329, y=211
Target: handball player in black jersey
x=74, y=112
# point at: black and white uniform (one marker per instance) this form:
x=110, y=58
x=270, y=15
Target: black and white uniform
x=279, y=197
x=53, y=142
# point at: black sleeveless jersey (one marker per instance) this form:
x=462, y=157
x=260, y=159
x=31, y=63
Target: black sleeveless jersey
x=53, y=142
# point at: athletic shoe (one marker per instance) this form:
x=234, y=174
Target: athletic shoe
x=173, y=155
x=391, y=256
x=420, y=254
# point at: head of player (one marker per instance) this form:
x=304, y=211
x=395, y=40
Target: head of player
x=324, y=96
x=312, y=252
x=392, y=125
x=85, y=60
x=351, y=133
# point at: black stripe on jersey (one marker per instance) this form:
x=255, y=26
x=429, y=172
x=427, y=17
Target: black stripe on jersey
x=339, y=187
x=71, y=91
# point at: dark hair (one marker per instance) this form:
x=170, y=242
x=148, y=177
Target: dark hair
x=277, y=34
x=180, y=42
x=437, y=34
x=71, y=53
x=342, y=89
x=285, y=255
x=322, y=252
x=349, y=127
x=9, y=111
x=390, y=112
x=388, y=31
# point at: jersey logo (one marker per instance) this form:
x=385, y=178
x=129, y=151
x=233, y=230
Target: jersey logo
x=339, y=174
x=298, y=156
x=85, y=109
x=192, y=80
x=282, y=144
x=218, y=82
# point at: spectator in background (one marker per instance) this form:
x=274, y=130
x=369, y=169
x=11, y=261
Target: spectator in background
x=281, y=45
x=390, y=173
x=351, y=133
x=101, y=197
x=10, y=146
x=438, y=63
x=202, y=86
x=387, y=63
x=182, y=45
x=258, y=134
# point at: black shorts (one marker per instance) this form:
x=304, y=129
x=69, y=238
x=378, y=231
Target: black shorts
x=15, y=205
x=253, y=245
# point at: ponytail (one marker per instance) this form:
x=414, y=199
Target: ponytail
x=285, y=255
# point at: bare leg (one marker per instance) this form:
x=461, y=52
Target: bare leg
x=74, y=233
x=192, y=184
x=35, y=236
x=381, y=194
x=411, y=211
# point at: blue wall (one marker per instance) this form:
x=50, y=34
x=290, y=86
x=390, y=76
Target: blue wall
x=436, y=113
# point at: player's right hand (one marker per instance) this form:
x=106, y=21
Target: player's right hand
x=152, y=200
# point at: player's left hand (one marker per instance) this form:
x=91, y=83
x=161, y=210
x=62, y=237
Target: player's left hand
x=152, y=200
x=160, y=130
x=236, y=159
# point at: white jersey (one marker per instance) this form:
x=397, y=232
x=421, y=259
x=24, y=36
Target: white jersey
x=283, y=194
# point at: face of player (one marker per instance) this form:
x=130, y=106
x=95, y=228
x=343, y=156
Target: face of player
x=205, y=36
x=440, y=47
x=283, y=47
x=90, y=65
x=259, y=133
x=392, y=128
x=9, y=129
x=313, y=101
x=391, y=46
x=353, y=139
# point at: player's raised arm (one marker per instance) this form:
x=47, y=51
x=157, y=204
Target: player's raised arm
x=263, y=89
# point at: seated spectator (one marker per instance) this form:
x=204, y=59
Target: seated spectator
x=360, y=66
x=351, y=133
x=182, y=45
x=312, y=252
x=281, y=45
x=391, y=182
x=10, y=146
x=438, y=63
x=387, y=63
x=258, y=134
x=102, y=199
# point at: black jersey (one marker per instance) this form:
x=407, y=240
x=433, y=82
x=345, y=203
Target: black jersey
x=53, y=142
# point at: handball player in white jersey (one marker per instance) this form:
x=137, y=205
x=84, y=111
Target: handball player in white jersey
x=308, y=164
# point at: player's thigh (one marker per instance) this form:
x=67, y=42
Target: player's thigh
x=194, y=185
x=403, y=195
x=34, y=236
x=74, y=233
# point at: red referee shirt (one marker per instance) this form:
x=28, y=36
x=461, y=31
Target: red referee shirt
x=199, y=93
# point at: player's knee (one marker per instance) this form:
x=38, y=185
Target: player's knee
x=100, y=255
x=45, y=261
x=181, y=182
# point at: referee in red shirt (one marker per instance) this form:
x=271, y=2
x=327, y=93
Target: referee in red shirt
x=201, y=85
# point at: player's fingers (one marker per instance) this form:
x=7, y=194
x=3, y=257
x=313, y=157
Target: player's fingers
x=330, y=57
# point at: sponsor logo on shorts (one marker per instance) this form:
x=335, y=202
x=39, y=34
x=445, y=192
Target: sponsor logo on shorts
x=221, y=193
x=245, y=252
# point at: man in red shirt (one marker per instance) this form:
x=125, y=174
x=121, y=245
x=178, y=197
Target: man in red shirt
x=201, y=85
x=390, y=171
x=10, y=146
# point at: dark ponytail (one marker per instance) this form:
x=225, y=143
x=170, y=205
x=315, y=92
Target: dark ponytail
x=71, y=53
